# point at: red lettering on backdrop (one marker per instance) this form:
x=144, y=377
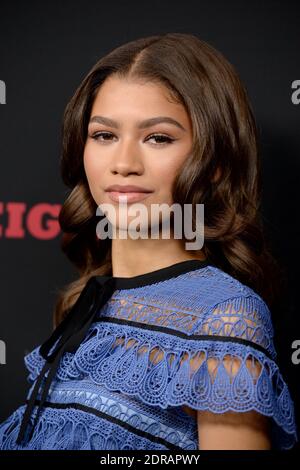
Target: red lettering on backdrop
x=1, y=213
x=15, y=214
x=41, y=220
x=35, y=217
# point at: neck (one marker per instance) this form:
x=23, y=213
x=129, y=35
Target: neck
x=135, y=257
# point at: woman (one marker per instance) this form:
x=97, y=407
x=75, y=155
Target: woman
x=158, y=346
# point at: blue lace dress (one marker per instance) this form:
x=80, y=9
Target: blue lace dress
x=133, y=353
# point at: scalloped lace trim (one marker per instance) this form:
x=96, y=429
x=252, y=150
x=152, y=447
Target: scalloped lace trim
x=71, y=429
x=164, y=370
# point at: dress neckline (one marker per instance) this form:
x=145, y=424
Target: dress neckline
x=162, y=274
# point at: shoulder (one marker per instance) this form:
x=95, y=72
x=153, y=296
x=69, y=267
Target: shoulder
x=229, y=307
x=217, y=286
x=214, y=288
x=209, y=301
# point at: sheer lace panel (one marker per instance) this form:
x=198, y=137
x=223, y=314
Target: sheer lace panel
x=241, y=317
x=156, y=355
x=245, y=317
x=141, y=310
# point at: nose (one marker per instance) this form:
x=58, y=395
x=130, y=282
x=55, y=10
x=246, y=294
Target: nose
x=127, y=159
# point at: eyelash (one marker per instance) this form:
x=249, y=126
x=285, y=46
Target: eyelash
x=169, y=139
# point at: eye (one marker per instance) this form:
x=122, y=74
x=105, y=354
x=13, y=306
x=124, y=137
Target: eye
x=165, y=138
x=101, y=134
x=106, y=136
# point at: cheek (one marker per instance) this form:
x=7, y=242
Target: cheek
x=93, y=164
x=165, y=175
x=89, y=163
x=93, y=171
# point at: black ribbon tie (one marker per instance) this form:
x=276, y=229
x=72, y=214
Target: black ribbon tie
x=66, y=338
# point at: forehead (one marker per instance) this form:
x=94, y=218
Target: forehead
x=145, y=98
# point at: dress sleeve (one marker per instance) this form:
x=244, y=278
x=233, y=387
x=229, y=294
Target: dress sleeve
x=233, y=366
x=34, y=364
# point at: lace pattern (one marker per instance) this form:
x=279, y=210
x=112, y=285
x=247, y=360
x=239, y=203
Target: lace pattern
x=75, y=429
x=202, y=339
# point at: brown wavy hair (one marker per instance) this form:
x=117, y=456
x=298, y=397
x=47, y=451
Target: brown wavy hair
x=225, y=137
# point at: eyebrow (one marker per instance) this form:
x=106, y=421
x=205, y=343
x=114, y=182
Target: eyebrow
x=141, y=125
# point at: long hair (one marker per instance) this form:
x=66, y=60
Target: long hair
x=225, y=138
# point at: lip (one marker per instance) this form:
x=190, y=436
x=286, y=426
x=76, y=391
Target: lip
x=127, y=189
x=122, y=197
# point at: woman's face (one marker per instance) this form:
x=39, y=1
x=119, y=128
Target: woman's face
x=119, y=150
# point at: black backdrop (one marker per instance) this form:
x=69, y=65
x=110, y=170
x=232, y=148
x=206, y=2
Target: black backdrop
x=46, y=48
